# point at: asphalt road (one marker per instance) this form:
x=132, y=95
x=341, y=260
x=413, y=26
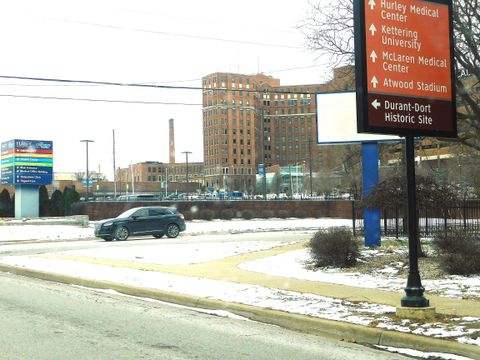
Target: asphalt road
x=43, y=320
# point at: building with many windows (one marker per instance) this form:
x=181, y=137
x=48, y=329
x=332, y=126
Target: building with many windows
x=162, y=174
x=251, y=119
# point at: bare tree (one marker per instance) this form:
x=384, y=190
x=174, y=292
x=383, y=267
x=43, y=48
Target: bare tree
x=466, y=23
x=328, y=31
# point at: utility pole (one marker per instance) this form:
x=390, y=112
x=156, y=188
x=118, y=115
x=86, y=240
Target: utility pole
x=166, y=181
x=310, y=165
x=186, y=162
x=114, y=168
x=86, y=173
x=132, y=177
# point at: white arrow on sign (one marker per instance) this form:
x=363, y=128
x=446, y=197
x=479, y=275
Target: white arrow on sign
x=374, y=81
x=372, y=4
x=376, y=104
x=373, y=56
x=372, y=29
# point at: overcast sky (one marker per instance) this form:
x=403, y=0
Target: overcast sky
x=135, y=41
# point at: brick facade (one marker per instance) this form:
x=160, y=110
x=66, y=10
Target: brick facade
x=251, y=119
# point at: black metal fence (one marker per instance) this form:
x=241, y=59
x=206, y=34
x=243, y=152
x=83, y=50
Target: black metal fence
x=464, y=216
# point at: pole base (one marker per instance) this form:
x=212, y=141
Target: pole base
x=415, y=301
x=416, y=313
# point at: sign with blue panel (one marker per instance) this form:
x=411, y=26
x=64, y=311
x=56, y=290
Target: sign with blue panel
x=84, y=182
x=27, y=162
x=261, y=169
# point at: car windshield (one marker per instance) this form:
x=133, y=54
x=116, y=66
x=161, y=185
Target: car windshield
x=127, y=213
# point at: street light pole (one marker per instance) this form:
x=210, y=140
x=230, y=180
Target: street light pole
x=310, y=165
x=86, y=174
x=114, y=168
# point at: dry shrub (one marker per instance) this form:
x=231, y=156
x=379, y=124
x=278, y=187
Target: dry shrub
x=301, y=213
x=226, y=214
x=459, y=252
x=206, y=214
x=334, y=246
x=283, y=213
x=247, y=214
x=267, y=214
x=188, y=215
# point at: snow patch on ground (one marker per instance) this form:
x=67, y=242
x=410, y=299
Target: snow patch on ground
x=292, y=265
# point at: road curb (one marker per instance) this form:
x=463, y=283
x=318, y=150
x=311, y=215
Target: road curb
x=307, y=324
x=74, y=220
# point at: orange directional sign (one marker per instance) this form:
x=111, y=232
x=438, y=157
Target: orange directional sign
x=404, y=67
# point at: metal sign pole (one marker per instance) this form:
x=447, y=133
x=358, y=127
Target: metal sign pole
x=414, y=289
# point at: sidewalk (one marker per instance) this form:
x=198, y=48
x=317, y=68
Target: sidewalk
x=226, y=282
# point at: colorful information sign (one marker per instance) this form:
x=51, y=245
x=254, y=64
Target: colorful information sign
x=405, y=77
x=27, y=162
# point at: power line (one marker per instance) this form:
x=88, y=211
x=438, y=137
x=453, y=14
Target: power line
x=294, y=68
x=206, y=21
x=159, y=82
x=145, y=85
x=166, y=33
x=92, y=82
x=100, y=100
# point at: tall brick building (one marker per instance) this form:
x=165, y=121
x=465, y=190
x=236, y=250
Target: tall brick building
x=251, y=119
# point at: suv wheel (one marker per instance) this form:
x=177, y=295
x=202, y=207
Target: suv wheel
x=173, y=230
x=121, y=233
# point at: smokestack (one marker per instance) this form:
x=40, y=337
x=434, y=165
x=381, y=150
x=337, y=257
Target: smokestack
x=171, y=137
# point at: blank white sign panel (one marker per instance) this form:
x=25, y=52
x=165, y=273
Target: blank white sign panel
x=337, y=120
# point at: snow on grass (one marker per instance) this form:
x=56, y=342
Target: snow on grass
x=259, y=225
x=11, y=232
x=293, y=264
x=289, y=301
x=361, y=313
x=44, y=232
x=177, y=254
x=421, y=354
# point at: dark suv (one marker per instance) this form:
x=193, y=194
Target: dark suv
x=151, y=220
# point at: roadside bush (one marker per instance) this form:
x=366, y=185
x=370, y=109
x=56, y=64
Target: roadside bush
x=226, y=214
x=459, y=252
x=267, y=214
x=44, y=201
x=301, y=213
x=57, y=204
x=187, y=215
x=6, y=204
x=247, y=214
x=283, y=214
x=207, y=214
x=70, y=196
x=334, y=247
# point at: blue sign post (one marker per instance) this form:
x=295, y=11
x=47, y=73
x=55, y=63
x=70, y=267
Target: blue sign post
x=371, y=217
x=261, y=172
x=84, y=182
